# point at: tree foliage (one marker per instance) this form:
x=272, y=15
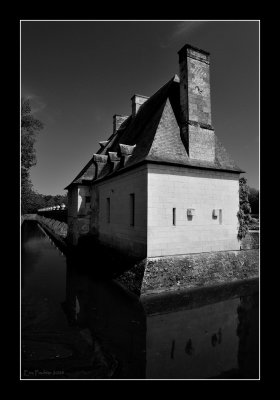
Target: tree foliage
x=30, y=126
x=254, y=200
x=244, y=213
x=37, y=201
x=31, y=201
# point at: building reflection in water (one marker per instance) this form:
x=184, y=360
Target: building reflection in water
x=114, y=316
x=216, y=339
x=248, y=333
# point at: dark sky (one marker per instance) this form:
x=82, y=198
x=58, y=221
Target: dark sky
x=79, y=74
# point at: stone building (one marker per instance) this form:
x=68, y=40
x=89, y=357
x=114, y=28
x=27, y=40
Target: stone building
x=162, y=184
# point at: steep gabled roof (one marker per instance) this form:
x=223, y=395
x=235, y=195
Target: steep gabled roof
x=155, y=130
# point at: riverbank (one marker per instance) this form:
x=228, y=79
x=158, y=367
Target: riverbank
x=196, y=297
x=58, y=232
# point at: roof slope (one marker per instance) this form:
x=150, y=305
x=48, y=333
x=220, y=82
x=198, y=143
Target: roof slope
x=155, y=130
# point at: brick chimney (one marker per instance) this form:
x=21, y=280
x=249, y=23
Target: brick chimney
x=117, y=121
x=137, y=101
x=196, y=123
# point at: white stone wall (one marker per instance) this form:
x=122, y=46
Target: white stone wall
x=182, y=188
x=118, y=233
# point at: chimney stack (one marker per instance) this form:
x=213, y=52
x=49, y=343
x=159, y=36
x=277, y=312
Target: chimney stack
x=196, y=122
x=137, y=101
x=117, y=121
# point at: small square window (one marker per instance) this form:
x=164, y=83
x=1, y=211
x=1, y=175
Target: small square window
x=87, y=199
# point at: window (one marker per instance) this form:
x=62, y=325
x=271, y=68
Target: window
x=190, y=213
x=174, y=216
x=108, y=210
x=220, y=217
x=87, y=199
x=132, y=208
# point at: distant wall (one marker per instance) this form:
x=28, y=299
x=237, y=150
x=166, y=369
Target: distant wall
x=58, y=215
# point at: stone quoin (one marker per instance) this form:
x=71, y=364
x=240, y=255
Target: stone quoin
x=162, y=184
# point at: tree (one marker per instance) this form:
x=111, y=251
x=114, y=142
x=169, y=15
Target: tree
x=26, y=194
x=30, y=126
x=36, y=201
x=244, y=213
x=31, y=200
x=254, y=200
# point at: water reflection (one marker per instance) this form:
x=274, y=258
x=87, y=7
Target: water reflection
x=247, y=331
x=205, y=333
x=193, y=343
x=29, y=242
x=200, y=340
x=113, y=315
x=205, y=338
x=42, y=282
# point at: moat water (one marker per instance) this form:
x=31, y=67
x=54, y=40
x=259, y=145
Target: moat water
x=67, y=314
